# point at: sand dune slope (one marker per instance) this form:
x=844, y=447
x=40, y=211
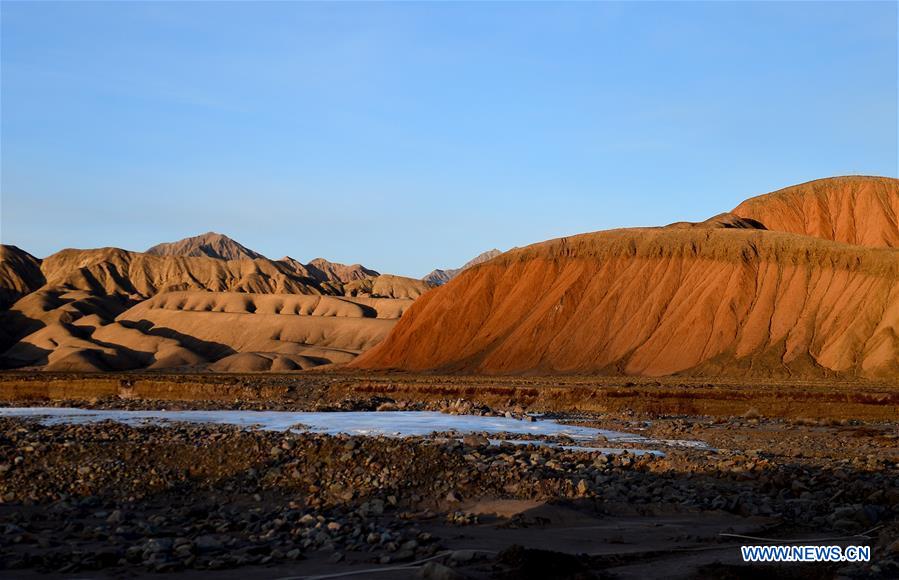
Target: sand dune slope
x=716, y=299
x=853, y=210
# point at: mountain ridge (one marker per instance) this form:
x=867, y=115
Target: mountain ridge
x=703, y=299
x=440, y=276
x=210, y=244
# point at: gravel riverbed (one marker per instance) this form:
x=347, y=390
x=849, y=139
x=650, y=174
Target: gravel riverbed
x=114, y=498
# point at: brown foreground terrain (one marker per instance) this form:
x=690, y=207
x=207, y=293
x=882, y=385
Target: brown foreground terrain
x=816, y=462
x=796, y=399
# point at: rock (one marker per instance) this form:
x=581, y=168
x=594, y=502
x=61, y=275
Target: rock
x=582, y=487
x=377, y=506
x=845, y=525
x=208, y=543
x=453, y=497
x=475, y=440
x=435, y=571
x=409, y=545
x=167, y=566
x=463, y=556
x=158, y=545
x=893, y=549
x=859, y=514
x=891, y=496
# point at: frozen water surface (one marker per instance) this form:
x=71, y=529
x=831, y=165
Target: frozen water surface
x=392, y=424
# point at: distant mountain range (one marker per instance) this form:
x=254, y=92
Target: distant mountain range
x=442, y=276
x=220, y=246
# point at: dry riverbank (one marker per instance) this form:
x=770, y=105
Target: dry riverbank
x=789, y=461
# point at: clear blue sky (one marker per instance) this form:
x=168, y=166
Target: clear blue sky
x=414, y=136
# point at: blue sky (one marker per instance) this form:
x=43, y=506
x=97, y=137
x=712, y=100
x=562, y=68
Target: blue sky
x=413, y=136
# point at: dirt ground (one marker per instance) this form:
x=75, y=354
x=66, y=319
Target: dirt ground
x=820, y=399
x=816, y=463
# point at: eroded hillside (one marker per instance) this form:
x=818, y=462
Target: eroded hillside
x=722, y=297
x=111, y=309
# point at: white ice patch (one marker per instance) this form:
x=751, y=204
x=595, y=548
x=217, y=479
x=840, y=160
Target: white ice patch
x=391, y=424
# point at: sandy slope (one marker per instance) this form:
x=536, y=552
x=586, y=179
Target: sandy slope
x=723, y=297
